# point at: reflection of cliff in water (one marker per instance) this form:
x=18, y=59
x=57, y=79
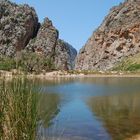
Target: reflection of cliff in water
x=114, y=81
x=48, y=108
x=52, y=81
x=120, y=114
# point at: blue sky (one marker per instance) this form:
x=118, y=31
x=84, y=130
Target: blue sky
x=75, y=19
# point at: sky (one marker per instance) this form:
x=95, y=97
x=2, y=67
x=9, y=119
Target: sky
x=75, y=19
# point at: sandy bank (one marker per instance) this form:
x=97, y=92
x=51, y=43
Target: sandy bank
x=65, y=74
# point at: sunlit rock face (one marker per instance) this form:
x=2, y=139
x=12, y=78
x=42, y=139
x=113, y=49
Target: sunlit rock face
x=45, y=41
x=48, y=44
x=20, y=30
x=116, y=39
x=18, y=24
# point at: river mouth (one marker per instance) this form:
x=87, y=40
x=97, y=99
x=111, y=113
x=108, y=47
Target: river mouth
x=90, y=108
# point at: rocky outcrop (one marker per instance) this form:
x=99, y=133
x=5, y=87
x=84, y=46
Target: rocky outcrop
x=20, y=30
x=117, y=38
x=45, y=41
x=18, y=24
x=65, y=56
x=48, y=44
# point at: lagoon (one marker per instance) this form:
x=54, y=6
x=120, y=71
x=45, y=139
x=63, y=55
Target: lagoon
x=89, y=108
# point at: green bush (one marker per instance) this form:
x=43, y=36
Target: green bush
x=129, y=64
x=7, y=63
x=33, y=62
x=133, y=67
x=27, y=62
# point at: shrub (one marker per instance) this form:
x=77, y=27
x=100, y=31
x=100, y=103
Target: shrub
x=7, y=63
x=32, y=62
x=133, y=67
x=129, y=64
x=27, y=62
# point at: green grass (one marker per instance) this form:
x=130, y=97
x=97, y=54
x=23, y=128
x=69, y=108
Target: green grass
x=7, y=63
x=130, y=64
x=27, y=62
x=24, y=110
x=133, y=67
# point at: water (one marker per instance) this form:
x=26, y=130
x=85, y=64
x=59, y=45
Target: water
x=90, y=108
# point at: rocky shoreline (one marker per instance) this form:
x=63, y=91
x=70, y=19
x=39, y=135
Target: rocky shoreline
x=35, y=46
x=66, y=74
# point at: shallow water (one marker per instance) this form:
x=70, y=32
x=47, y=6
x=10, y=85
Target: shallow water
x=90, y=108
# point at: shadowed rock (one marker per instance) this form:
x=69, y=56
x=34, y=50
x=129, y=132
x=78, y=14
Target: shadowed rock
x=18, y=24
x=48, y=44
x=65, y=56
x=20, y=30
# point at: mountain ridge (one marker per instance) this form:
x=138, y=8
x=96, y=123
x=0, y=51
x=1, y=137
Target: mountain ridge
x=20, y=31
x=116, y=39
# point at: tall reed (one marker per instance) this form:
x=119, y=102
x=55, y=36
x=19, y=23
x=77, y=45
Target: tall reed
x=18, y=110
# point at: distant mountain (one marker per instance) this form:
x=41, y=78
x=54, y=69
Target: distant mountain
x=20, y=30
x=117, y=39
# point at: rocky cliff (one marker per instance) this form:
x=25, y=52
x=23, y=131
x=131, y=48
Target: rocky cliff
x=116, y=39
x=48, y=44
x=18, y=24
x=65, y=56
x=20, y=30
x=45, y=41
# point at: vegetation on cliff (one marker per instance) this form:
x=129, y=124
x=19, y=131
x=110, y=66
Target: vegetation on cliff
x=28, y=63
x=21, y=32
x=114, y=41
x=130, y=64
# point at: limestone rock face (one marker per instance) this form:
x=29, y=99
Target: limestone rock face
x=48, y=44
x=18, y=24
x=117, y=38
x=20, y=30
x=45, y=41
x=65, y=56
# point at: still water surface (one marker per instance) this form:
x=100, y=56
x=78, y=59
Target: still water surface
x=90, y=108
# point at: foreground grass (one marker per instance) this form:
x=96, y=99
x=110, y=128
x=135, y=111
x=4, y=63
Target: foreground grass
x=18, y=111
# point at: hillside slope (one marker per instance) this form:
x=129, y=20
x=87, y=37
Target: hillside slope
x=116, y=39
x=20, y=32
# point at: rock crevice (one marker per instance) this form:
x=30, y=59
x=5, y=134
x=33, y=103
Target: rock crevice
x=20, y=30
